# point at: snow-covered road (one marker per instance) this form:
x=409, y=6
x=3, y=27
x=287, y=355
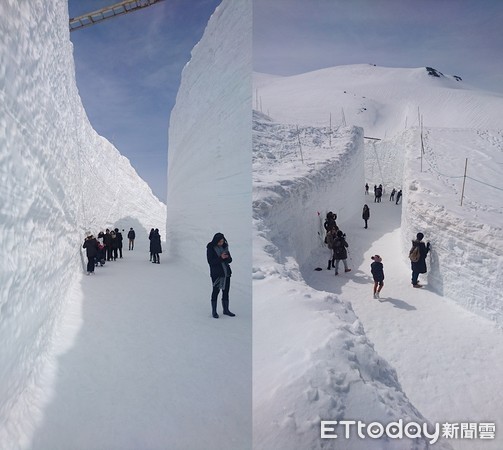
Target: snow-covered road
x=138, y=373
x=448, y=360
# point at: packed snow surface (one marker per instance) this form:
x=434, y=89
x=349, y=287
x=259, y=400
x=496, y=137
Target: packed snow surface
x=431, y=354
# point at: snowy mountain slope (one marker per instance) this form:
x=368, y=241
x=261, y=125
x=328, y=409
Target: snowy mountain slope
x=58, y=179
x=381, y=100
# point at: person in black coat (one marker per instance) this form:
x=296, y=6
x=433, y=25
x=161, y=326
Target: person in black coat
x=155, y=246
x=340, y=253
x=91, y=246
x=377, y=270
x=420, y=265
x=219, y=258
x=366, y=214
x=118, y=236
x=131, y=236
x=150, y=236
x=107, y=242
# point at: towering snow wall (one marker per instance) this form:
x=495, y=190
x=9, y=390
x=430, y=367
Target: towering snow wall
x=58, y=179
x=466, y=259
x=210, y=134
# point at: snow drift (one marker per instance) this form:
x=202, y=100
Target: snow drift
x=58, y=179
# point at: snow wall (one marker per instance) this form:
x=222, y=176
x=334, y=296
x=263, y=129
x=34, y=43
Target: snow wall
x=58, y=179
x=209, y=134
x=466, y=260
x=332, y=372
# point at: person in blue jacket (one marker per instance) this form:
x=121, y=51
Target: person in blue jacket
x=219, y=259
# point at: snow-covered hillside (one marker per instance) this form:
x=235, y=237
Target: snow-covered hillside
x=315, y=334
x=58, y=179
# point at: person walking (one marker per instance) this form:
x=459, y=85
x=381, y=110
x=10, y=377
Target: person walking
x=219, y=258
x=392, y=195
x=91, y=246
x=366, y=189
x=417, y=256
x=114, y=245
x=366, y=215
x=377, y=270
x=340, y=252
x=131, y=236
x=155, y=246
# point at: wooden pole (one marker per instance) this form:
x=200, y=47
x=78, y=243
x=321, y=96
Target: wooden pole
x=300, y=145
x=464, y=179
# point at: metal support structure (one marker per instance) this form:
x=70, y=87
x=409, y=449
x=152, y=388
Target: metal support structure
x=102, y=14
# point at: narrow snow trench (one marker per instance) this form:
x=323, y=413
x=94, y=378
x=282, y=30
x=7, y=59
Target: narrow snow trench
x=148, y=364
x=447, y=358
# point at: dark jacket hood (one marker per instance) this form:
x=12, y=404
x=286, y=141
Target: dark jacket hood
x=215, y=240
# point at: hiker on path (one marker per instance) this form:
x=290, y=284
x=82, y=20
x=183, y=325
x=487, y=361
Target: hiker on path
x=366, y=215
x=219, y=258
x=417, y=256
x=377, y=270
x=340, y=252
x=392, y=196
x=366, y=189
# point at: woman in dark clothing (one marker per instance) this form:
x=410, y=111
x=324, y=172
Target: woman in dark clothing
x=219, y=258
x=366, y=214
x=419, y=266
x=150, y=236
x=155, y=246
x=91, y=246
x=118, y=236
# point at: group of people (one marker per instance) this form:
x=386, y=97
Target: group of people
x=378, y=193
x=417, y=255
x=336, y=242
x=107, y=246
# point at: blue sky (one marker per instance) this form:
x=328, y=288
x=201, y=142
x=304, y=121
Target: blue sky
x=128, y=68
x=456, y=37
x=128, y=72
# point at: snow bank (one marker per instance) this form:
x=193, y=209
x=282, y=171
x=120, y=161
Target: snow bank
x=58, y=179
x=209, y=135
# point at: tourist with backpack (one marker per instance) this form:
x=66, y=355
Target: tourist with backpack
x=340, y=252
x=417, y=256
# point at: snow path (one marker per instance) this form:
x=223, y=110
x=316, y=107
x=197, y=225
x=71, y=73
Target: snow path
x=409, y=325
x=138, y=374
